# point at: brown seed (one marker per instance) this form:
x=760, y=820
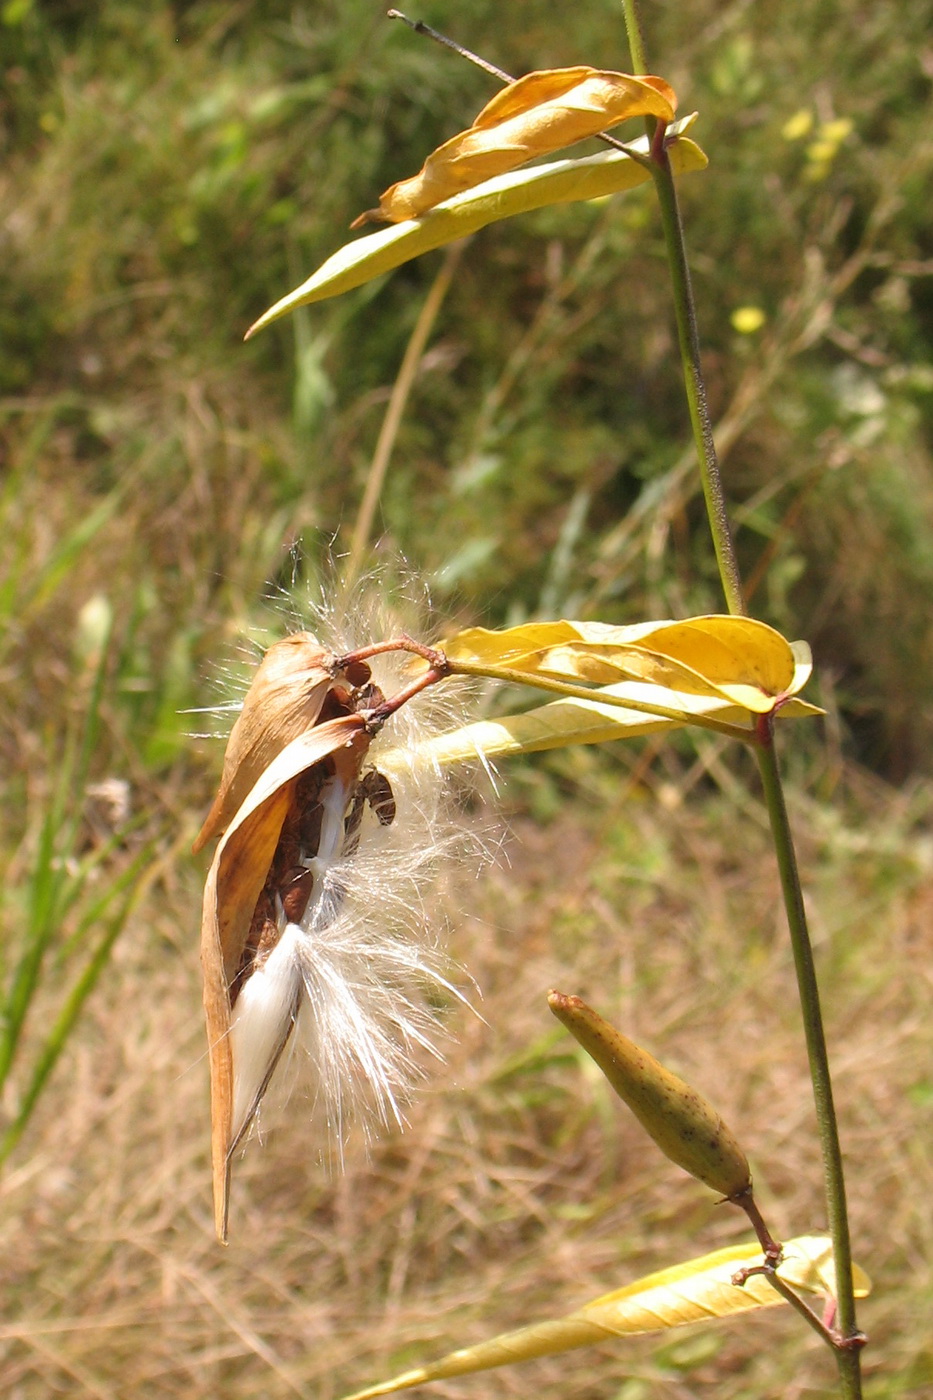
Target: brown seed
x=295, y=893
x=357, y=673
x=378, y=793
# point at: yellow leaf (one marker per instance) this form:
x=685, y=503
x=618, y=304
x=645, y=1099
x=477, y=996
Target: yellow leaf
x=539, y=113
x=561, y=182
x=572, y=721
x=736, y=659
x=697, y=1291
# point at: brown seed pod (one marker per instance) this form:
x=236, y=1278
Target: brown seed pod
x=684, y=1125
x=286, y=698
x=236, y=924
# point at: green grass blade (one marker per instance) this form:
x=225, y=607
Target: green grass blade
x=71, y=1009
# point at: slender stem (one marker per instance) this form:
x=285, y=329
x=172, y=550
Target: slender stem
x=770, y=1247
x=393, y=417
x=419, y=26
x=688, y=336
x=435, y=659
x=818, y=1058
x=635, y=41
x=700, y=421
x=847, y=1341
x=767, y=1272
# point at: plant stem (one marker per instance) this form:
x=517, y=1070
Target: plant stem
x=635, y=41
x=694, y=384
x=688, y=336
x=848, y=1359
x=393, y=417
x=848, y=1341
x=419, y=26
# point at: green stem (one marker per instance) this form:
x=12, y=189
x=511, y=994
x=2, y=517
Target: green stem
x=847, y=1348
x=848, y=1360
x=635, y=42
x=401, y=390
x=688, y=336
x=694, y=384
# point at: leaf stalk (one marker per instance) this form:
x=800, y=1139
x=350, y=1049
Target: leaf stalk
x=747, y=735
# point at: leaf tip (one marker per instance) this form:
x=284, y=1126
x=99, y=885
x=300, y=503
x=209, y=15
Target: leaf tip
x=368, y=216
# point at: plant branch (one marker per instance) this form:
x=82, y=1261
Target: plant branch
x=688, y=337
x=635, y=41
x=819, y=1061
x=847, y=1341
x=694, y=383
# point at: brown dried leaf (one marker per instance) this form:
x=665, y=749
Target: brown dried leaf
x=284, y=699
x=539, y=113
x=234, y=883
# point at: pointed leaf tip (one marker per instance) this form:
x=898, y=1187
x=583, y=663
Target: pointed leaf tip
x=517, y=192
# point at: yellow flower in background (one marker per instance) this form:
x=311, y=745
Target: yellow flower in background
x=798, y=126
x=747, y=319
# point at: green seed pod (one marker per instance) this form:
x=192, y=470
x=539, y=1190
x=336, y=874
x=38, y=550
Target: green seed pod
x=684, y=1125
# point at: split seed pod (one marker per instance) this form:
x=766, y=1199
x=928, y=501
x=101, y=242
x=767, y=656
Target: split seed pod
x=284, y=699
x=291, y=790
x=239, y=935
x=318, y=927
x=684, y=1125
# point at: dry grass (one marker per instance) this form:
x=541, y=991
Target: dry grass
x=519, y=1189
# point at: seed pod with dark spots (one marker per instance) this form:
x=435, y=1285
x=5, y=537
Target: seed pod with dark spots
x=684, y=1125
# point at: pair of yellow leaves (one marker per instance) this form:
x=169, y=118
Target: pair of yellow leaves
x=716, y=672
x=538, y=114
x=471, y=180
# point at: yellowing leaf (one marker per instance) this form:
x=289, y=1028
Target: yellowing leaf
x=561, y=182
x=697, y=1291
x=564, y=722
x=539, y=113
x=736, y=659
x=560, y=723
x=628, y=709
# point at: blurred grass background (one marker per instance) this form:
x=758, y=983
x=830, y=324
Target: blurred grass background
x=168, y=171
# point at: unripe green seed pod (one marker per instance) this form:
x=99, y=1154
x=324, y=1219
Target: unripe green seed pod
x=684, y=1125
